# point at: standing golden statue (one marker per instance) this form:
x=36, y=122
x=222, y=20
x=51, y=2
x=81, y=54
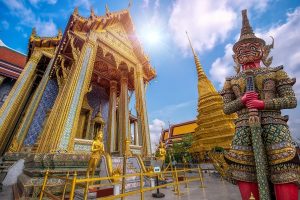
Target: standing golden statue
x=96, y=153
x=161, y=154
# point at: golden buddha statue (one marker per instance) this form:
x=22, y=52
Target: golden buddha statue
x=161, y=152
x=96, y=153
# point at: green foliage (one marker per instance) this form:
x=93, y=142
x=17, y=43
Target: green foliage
x=180, y=149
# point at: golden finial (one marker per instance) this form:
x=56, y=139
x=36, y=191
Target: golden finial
x=251, y=197
x=33, y=32
x=75, y=12
x=107, y=9
x=92, y=14
x=199, y=68
x=59, y=35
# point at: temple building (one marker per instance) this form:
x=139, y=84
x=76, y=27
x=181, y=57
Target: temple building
x=72, y=81
x=176, y=132
x=214, y=128
x=12, y=63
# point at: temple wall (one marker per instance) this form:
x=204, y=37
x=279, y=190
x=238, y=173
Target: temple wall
x=5, y=88
x=46, y=103
x=96, y=96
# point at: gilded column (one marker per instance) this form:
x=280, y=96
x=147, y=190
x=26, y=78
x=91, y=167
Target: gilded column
x=136, y=135
x=61, y=126
x=141, y=110
x=12, y=107
x=123, y=112
x=30, y=111
x=112, y=118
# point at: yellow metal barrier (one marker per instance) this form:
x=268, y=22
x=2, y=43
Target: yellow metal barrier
x=84, y=183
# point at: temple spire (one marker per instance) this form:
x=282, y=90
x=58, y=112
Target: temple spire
x=107, y=11
x=199, y=68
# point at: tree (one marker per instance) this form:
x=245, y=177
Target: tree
x=181, y=148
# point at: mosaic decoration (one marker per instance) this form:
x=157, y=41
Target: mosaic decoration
x=74, y=103
x=16, y=93
x=4, y=90
x=96, y=97
x=82, y=147
x=46, y=103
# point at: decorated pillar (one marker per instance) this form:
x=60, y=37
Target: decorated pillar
x=13, y=106
x=30, y=111
x=136, y=136
x=123, y=112
x=61, y=126
x=112, y=117
x=142, y=111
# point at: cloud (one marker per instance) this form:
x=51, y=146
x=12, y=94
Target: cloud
x=84, y=3
x=222, y=67
x=155, y=130
x=145, y=4
x=207, y=22
x=287, y=45
x=36, y=2
x=28, y=18
x=286, y=52
x=46, y=28
x=5, y=24
x=169, y=111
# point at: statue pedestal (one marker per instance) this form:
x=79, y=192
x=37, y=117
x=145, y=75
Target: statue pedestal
x=59, y=164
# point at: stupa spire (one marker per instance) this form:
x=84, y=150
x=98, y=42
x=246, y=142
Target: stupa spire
x=199, y=68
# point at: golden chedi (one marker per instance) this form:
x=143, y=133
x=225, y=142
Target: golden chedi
x=215, y=129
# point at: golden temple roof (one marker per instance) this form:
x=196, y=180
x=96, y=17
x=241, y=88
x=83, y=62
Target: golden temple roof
x=78, y=23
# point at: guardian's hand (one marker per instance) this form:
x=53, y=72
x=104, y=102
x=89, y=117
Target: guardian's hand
x=249, y=96
x=258, y=104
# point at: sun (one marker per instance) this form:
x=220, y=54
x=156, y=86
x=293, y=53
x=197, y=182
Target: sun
x=153, y=37
x=150, y=36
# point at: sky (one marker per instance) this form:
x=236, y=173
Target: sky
x=213, y=26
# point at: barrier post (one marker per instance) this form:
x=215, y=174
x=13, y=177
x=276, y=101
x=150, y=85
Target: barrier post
x=86, y=189
x=73, y=186
x=177, y=182
x=186, y=179
x=201, y=177
x=44, y=184
x=142, y=185
x=66, y=183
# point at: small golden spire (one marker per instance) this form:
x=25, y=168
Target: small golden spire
x=59, y=35
x=199, y=68
x=33, y=32
x=75, y=12
x=92, y=13
x=107, y=9
x=251, y=197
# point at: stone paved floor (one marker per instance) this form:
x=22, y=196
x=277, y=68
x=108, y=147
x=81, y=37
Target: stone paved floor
x=215, y=189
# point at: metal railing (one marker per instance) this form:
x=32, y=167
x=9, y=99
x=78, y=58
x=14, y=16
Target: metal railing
x=85, y=183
